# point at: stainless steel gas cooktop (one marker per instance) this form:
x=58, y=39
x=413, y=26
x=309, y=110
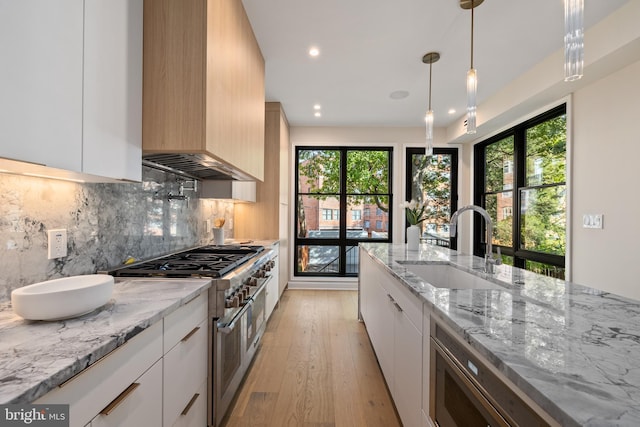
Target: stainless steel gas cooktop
x=206, y=261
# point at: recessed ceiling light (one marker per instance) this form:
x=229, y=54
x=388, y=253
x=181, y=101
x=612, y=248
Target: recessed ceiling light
x=399, y=94
x=317, y=114
x=316, y=106
x=314, y=51
x=451, y=111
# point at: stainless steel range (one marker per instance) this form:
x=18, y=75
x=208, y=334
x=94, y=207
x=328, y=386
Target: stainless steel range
x=236, y=308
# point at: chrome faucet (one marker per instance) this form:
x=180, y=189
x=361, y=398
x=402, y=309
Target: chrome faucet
x=489, y=261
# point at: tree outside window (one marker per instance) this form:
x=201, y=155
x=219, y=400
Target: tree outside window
x=339, y=180
x=521, y=182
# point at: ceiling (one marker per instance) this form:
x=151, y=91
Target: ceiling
x=371, y=49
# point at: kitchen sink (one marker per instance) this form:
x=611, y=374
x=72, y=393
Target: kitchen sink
x=446, y=276
x=63, y=298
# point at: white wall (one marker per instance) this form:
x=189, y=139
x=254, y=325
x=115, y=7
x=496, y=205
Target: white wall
x=606, y=165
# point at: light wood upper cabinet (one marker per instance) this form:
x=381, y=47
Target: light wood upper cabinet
x=268, y=217
x=203, y=82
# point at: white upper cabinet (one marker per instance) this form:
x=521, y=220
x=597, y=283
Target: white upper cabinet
x=41, y=82
x=71, y=85
x=112, y=108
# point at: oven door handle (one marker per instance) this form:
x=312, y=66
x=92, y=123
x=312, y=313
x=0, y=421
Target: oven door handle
x=229, y=327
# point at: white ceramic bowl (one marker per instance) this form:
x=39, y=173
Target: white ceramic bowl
x=63, y=298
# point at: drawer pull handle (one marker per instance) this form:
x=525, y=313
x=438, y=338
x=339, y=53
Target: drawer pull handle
x=190, y=404
x=190, y=334
x=118, y=400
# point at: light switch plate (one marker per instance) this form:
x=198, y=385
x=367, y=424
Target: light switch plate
x=592, y=221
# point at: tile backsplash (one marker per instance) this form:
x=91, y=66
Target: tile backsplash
x=106, y=224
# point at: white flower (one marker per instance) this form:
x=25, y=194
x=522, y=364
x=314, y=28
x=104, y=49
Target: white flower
x=415, y=211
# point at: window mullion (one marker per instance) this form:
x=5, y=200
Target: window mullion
x=519, y=153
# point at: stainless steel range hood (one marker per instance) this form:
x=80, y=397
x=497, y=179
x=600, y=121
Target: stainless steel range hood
x=200, y=166
x=234, y=191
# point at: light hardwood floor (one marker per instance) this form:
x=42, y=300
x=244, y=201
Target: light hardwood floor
x=315, y=368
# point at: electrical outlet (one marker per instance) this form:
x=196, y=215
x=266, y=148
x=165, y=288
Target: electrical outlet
x=208, y=226
x=57, y=243
x=592, y=220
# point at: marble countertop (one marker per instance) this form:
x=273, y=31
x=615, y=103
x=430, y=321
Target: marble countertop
x=574, y=350
x=36, y=356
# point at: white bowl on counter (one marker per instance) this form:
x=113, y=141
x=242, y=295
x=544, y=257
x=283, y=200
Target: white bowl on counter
x=63, y=298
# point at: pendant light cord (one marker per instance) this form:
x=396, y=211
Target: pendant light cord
x=472, y=7
x=430, y=67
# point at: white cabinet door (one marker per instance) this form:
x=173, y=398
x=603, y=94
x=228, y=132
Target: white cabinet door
x=426, y=364
x=137, y=405
x=41, y=82
x=185, y=369
x=272, y=290
x=407, y=387
x=393, y=317
x=112, y=108
x=378, y=314
x=195, y=413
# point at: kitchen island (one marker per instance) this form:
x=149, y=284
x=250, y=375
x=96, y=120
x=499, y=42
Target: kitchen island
x=572, y=350
x=38, y=356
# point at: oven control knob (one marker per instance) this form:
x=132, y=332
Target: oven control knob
x=253, y=281
x=259, y=273
x=236, y=301
x=267, y=267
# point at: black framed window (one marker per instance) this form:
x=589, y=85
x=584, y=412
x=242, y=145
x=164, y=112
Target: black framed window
x=520, y=179
x=434, y=180
x=342, y=197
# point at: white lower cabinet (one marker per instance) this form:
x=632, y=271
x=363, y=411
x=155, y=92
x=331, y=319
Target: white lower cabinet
x=407, y=389
x=92, y=390
x=185, y=365
x=426, y=366
x=272, y=291
x=185, y=370
x=195, y=413
x=393, y=317
x=136, y=406
x=158, y=378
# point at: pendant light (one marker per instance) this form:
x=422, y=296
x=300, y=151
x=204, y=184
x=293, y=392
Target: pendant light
x=573, y=39
x=472, y=75
x=429, y=58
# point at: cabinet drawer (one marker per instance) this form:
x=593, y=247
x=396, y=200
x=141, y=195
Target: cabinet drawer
x=410, y=303
x=94, y=388
x=185, y=369
x=181, y=322
x=195, y=413
x=137, y=405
